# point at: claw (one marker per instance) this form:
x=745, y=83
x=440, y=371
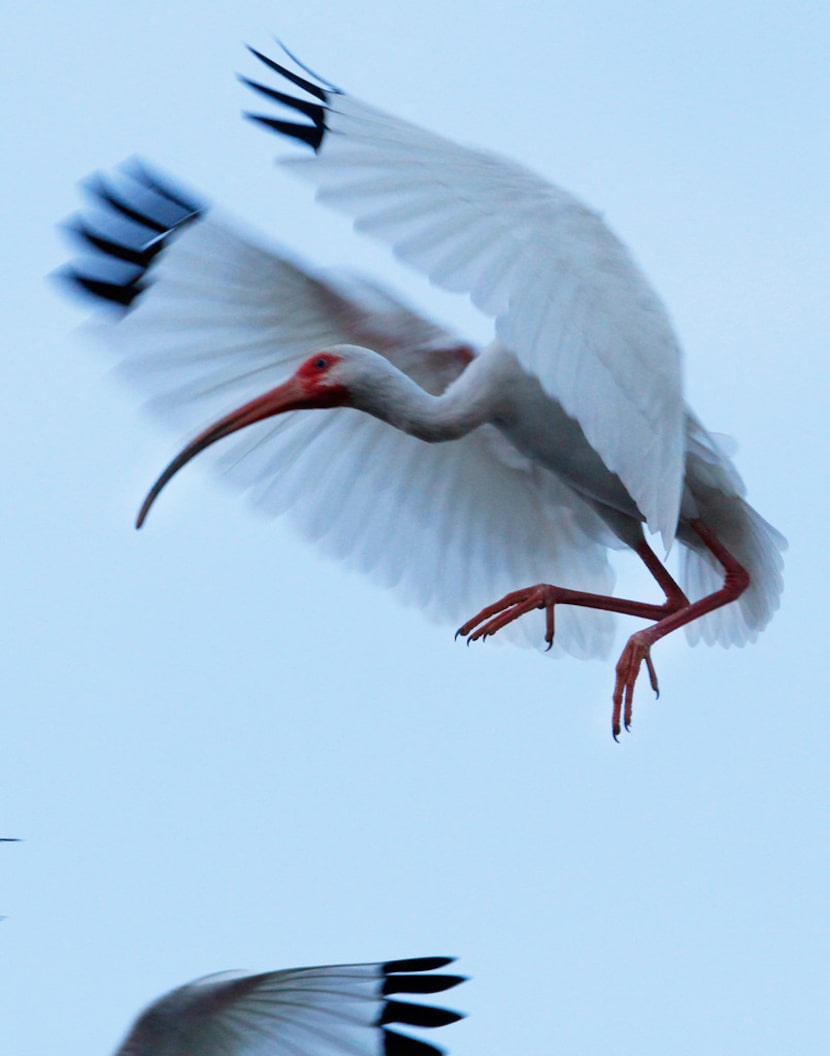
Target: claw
x=635, y=653
x=652, y=675
x=494, y=617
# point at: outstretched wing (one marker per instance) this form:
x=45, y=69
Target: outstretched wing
x=340, y=1010
x=206, y=320
x=567, y=297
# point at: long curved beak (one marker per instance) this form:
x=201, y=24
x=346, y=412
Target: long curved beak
x=290, y=396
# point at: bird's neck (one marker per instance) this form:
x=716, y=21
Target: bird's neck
x=471, y=400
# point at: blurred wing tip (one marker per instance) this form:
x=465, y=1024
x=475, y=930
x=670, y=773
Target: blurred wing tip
x=416, y=964
x=100, y=189
x=148, y=176
x=115, y=256
x=116, y=295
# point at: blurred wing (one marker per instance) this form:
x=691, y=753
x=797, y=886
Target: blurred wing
x=342, y=1010
x=218, y=320
x=567, y=298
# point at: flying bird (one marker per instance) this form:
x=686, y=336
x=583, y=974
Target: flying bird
x=471, y=472
x=334, y=1010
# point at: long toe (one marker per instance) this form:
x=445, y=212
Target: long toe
x=492, y=618
x=635, y=653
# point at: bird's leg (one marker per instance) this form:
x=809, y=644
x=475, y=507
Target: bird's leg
x=546, y=596
x=675, y=598
x=638, y=647
x=676, y=611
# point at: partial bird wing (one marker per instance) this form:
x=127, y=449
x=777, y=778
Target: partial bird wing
x=211, y=320
x=341, y=1010
x=567, y=298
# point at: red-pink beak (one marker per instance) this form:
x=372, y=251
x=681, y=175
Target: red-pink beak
x=292, y=395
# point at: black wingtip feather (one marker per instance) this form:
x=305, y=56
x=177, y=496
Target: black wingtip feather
x=140, y=256
x=395, y=1044
x=121, y=295
x=400, y=977
x=420, y=984
x=119, y=254
x=313, y=134
x=141, y=172
x=295, y=78
x=417, y=964
x=298, y=62
x=99, y=189
x=313, y=110
x=309, y=134
x=404, y=1012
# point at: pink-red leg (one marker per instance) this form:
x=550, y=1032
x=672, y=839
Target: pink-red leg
x=675, y=612
x=638, y=647
x=545, y=596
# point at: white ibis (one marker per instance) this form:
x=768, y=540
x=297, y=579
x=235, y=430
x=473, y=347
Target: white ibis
x=471, y=472
x=334, y=1010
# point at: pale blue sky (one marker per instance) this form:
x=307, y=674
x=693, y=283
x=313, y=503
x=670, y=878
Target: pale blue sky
x=223, y=751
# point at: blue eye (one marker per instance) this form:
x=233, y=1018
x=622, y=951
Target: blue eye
x=321, y=363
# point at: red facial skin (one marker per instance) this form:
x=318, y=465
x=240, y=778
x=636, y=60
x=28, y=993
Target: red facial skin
x=305, y=390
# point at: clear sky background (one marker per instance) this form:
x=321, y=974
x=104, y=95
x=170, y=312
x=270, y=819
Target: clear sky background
x=224, y=751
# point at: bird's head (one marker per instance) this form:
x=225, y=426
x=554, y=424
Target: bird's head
x=331, y=377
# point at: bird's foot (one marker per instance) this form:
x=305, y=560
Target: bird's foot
x=510, y=608
x=637, y=651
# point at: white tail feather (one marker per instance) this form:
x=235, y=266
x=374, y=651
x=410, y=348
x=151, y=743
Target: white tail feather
x=757, y=546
